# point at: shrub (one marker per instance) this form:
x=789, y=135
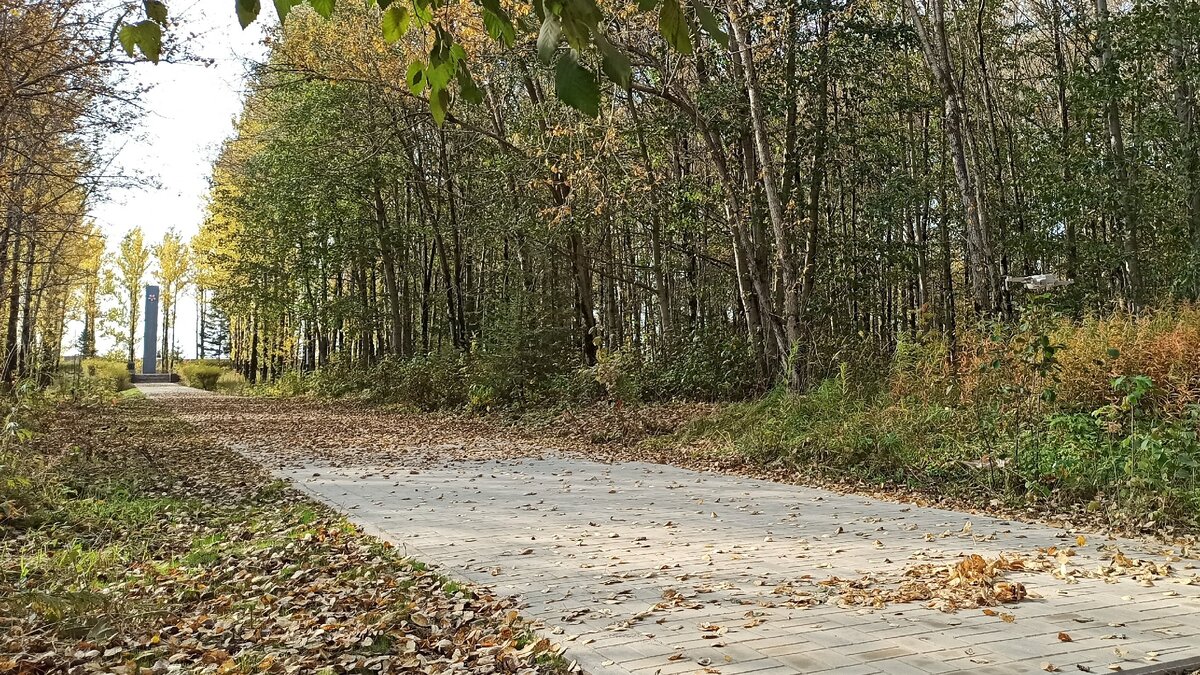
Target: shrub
x=231, y=382
x=523, y=367
x=438, y=381
x=339, y=377
x=114, y=374
x=201, y=375
x=291, y=383
x=616, y=372
x=702, y=365
x=1163, y=345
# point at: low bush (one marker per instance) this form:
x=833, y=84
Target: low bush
x=114, y=374
x=438, y=381
x=699, y=366
x=201, y=375
x=231, y=382
x=291, y=383
x=338, y=378
x=1076, y=358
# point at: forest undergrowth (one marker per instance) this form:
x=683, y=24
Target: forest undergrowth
x=1094, y=419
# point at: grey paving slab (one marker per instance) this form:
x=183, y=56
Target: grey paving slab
x=591, y=548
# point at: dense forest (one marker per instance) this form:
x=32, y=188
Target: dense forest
x=825, y=180
x=60, y=97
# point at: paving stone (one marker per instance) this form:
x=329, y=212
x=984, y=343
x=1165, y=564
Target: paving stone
x=476, y=520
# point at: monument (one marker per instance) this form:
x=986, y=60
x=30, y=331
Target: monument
x=150, y=337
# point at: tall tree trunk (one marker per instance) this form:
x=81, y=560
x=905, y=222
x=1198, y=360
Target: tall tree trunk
x=388, y=260
x=981, y=261
x=1064, y=136
x=14, y=304
x=1126, y=216
x=743, y=55
x=1189, y=141
x=661, y=292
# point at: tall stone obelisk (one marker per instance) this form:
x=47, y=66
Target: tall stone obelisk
x=150, y=335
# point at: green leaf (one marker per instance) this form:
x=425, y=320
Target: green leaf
x=415, y=77
x=710, y=23
x=500, y=28
x=282, y=7
x=615, y=63
x=148, y=36
x=127, y=36
x=492, y=6
x=439, y=75
x=157, y=11
x=647, y=5
x=423, y=11
x=247, y=11
x=673, y=27
x=585, y=12
x=439, y=103
x=443, y=45
x=395, y=23
x=495, y=13
x=466, y=85
x=323, y=7
x=576, y=86
x=383, y=4
x=547, y=42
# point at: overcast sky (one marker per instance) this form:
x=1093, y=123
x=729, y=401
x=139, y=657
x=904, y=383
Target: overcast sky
x=190, y=110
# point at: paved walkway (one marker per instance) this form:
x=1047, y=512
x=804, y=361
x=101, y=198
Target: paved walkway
x=645, y=569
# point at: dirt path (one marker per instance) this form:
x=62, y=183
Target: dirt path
x=648, y=568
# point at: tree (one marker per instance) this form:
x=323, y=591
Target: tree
x=124, y=284
x=60, y=95
x=174, y=268
x=91, y=268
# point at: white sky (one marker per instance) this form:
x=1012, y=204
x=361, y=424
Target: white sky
x=190, y=110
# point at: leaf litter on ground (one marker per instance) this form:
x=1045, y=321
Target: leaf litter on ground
x=168, y=552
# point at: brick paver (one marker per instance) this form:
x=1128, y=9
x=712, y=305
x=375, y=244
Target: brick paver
x=591, y=547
